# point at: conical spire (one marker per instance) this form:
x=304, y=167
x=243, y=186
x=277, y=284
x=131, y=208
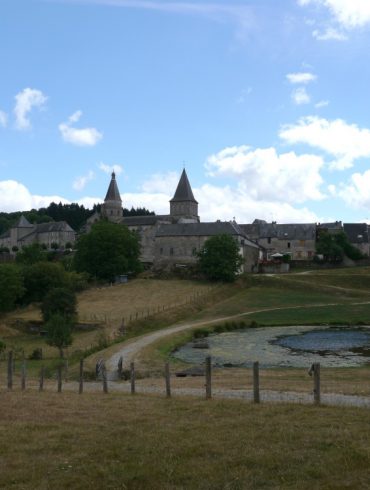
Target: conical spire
x=113, y=192
x=23, y=223
x=183, y=191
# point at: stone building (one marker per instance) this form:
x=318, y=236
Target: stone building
x=358, y=236
x=172, y=240
x=297, y=240
x=24, y=233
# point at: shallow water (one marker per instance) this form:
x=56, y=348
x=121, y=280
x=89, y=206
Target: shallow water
x=284, y=347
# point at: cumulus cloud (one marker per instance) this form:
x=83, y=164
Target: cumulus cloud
x=3, y=119
x=77, y=136
x=301, y=77
x=300, y=96
x=329, y=34
x=15, y=196
x=80, y=182
x=108, y=169
x=25, y=101
x=356, y=192
x=264, y=175
x=346, y=142
x=348, y=13
x=161, y=183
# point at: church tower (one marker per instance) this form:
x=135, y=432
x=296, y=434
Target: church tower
x=183, y=206
x=112, y=207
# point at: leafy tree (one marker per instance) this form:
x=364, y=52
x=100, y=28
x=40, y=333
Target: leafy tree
x=60, y=301
x=59, y=334
x=335, y=246
x=11, y=286
x=219, y=258
x=108, y=250
x=30, y=254
x=41, y=277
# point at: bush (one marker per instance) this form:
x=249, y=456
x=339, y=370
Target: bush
x=11, y=286
x=61, y=301
x=36, y=355
x=41, y=277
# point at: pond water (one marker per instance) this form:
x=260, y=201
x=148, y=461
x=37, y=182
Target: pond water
x=298, y=346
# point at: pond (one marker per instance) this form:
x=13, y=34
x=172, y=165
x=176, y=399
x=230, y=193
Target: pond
x=297, y=346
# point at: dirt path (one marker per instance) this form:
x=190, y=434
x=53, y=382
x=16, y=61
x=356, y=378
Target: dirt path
x=129, y=350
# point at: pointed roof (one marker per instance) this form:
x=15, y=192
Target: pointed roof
x=113, y=192
x=23, y=223
x=183, y=191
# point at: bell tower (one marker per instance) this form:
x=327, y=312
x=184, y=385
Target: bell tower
x=183, y=206
x=112, y=207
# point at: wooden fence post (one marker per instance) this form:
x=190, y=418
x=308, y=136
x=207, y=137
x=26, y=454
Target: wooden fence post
x=81, y=381
x=208, y=378
x=42, y=375
x=316, y=384
x=168, y=379
x=23, y=373
x=132, y=377
x=10, y=370
x=104, y=376
x=59, y=375
x=256, y=382
x=119, y=367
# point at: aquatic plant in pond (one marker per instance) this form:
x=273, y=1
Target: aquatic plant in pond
x=297, y=346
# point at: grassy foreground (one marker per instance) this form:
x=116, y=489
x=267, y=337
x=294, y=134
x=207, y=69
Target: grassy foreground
x=123, y=442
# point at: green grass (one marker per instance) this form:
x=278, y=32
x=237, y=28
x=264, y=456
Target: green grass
x=123, y=442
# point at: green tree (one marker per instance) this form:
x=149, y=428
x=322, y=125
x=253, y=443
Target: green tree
x=41, y=277
x=59, y=332
x=108, y=250
x=11, y=286
x=219, y=259
x=60, y=301
x=2, y=346
x=335, y=246
x=31, y=254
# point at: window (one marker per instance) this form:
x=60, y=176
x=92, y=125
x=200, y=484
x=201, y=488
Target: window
x=171, y=251
x=242, y=242
x=269, y=240
x=302, y=243
x=161, y=251
x=288, y=244
x=194, y=251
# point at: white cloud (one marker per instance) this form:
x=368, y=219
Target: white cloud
x=80, y=182
x=15, y=196
x=161, y=183
x=3, y=119
x=108, y=169
x=348, y=13
x=79, y=137
x=265, y=175
x=301, y=77
x=356, y=192
x=300, y=96
x=24, y=102
x=322, y=103
x=329, y=34
x=346, y=142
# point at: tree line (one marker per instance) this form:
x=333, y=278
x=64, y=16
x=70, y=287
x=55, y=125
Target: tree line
x=74, y=214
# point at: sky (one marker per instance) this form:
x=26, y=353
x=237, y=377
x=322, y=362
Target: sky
x=264, y=102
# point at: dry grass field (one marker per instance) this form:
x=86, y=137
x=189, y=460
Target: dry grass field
x=110, y=441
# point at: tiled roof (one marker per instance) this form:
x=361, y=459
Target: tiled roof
x=144, y=220
x=293, y=231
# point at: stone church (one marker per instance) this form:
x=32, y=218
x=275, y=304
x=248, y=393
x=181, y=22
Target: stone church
x=173, y=240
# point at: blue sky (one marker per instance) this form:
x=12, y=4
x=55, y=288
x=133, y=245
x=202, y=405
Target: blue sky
x=265, y=102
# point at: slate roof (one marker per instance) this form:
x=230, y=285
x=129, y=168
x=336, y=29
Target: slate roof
x=113, y=192
x=336, y=225
x=292, y=231
x=356, y=232
x=48, y=228
x=183, y=191
x=203, y=229
x=23, y=223
x=144, y=220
